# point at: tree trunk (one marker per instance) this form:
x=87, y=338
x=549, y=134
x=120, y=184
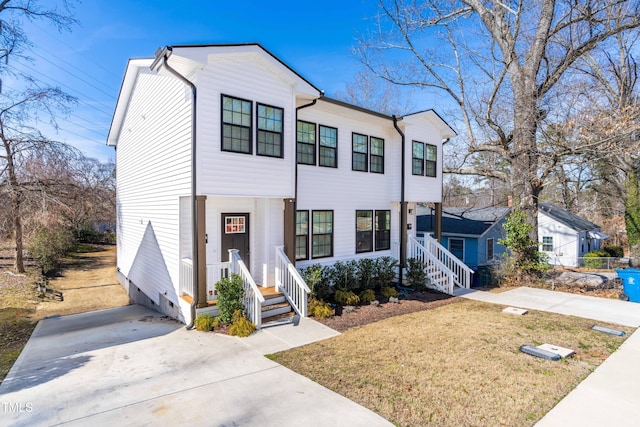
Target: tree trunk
x=17, y=232
x=632, y=218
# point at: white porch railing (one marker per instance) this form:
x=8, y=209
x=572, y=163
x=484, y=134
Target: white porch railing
x=186, y=277
x=215, y=272
x=290, y=283
x=252, y=299
x=430, y=250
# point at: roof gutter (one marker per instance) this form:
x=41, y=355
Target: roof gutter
x=403, y=203
x=163, y=56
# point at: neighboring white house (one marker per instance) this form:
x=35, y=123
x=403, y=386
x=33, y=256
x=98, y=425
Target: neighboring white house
x=565, y=237
x=230, y=145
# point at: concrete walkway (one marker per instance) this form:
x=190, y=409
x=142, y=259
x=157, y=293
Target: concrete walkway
x=610, y=396
x=131, y=366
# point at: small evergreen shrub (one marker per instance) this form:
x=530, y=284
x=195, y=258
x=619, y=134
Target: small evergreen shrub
x=205, y=323
x=346, y=297
x=230, y=294
x=241, y=326
x=385, y=271
x=416, y=274
x=343, y=275
x=315, y=276
x=366, y=269
x=48, y=246
x=319, y=309
x=592, y=259
x=367, y=295
x=389, y=292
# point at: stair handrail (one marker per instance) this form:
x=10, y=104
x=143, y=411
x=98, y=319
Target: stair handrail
x=290, y=282
x=461, y=272
x=253, y=298
x=421, y=253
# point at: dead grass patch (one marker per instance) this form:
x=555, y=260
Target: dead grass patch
x=458, y=364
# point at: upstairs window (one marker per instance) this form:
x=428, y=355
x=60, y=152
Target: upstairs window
x=306, y=143
x=236, y=125
x=328, y=147
x=364, y=231
x=270, y=124
x=377, y=155
x=431, y=159
x=424, y=159
x=417, y=167
x=360, y=152
x=383, y=230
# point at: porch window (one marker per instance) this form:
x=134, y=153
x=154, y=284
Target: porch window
x=306, y=143
x=302, y=235
x=377, y=155
x=360, y=152
x=328, y=147
x=364, y=231
x=383, y=230
x=322, y=234
x=547, y=243
x=270, y=124
x=431, y=159
x=456, y=247
x=236, y=125
x=418, y=158
x=489, y=249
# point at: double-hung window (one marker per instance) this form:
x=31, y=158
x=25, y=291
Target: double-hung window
x=364, y=231
x=270, y=124
x=322, y=234
x=306, y=143
x=547, y=243
x=424, y=159
x=360, y=152
x=236, y=125
x=383, y=230
x=302, y=235
x=328, y=147
x=377, y=155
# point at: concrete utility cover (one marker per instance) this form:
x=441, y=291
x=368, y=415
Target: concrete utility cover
x=563, y=352
x=514, y=310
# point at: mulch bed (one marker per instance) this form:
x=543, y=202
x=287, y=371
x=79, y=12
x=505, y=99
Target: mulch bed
x=365, y=314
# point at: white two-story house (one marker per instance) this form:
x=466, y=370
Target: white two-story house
x=229, y=160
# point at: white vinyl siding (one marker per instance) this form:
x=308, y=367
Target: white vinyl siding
x=153, y=161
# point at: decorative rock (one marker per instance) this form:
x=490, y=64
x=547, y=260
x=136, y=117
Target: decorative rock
x=394, y=300
x=348, y=308
x=375, y=303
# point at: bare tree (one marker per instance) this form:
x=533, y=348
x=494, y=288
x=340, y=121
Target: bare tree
x=374, y=93
x=501, y=64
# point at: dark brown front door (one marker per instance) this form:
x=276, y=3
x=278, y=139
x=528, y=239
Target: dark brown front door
x=235, y=235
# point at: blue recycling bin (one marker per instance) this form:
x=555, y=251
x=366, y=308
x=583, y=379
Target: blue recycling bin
x=630, y=283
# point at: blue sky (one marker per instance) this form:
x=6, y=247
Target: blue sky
x=314, y=38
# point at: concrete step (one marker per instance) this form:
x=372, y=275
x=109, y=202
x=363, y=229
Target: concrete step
x=275, y=309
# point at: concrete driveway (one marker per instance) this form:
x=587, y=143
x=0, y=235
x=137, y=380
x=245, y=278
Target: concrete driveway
x=131, y=366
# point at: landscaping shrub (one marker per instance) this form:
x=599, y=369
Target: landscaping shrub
x=316, y=278
x=523, y=259
x=343, y=275
x=205, y=323
x=614, y=251
x=48, y=246
x=367, y=295
x=319, y=309
x=241, y=326
x=592, y=259
x=416, y=274
x=366, y=269
x=346, y=297
x=389, y=292
x=88, y=234
x=385, y=271
x=230, y=293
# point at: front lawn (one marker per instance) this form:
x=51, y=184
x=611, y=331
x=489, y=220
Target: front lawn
x=458, y=364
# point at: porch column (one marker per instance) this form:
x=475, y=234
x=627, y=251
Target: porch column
x=437, y=224
x=290, y=229
x=201, y=264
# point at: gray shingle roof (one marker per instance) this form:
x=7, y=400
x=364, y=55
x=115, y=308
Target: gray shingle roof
x=567, y=218
x=470, y=221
